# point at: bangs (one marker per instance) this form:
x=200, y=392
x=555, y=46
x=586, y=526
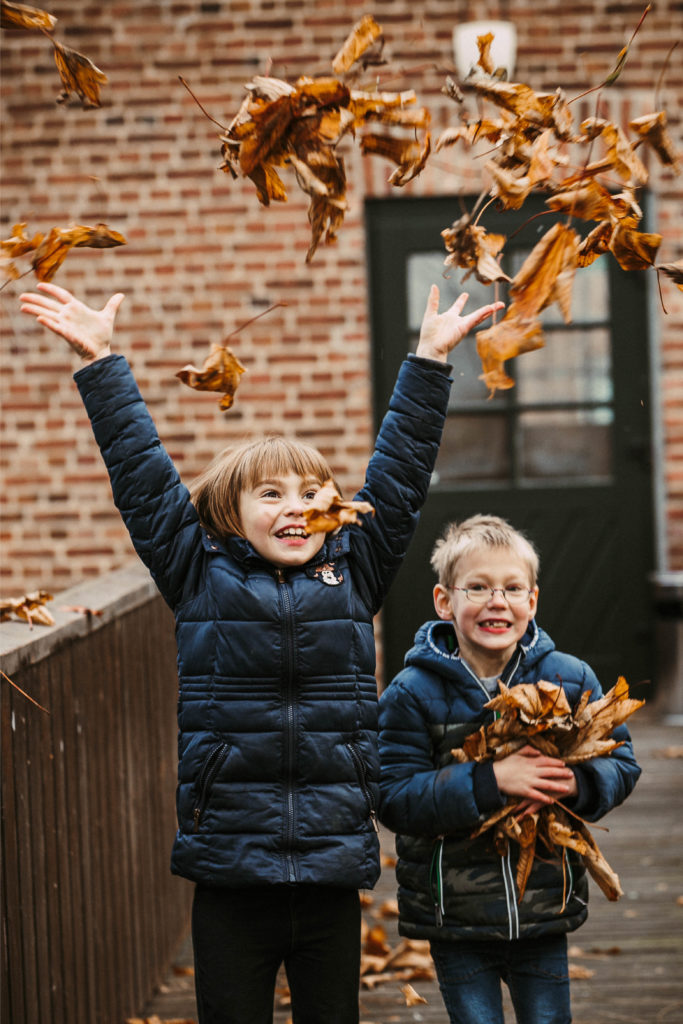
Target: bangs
x=274, y=457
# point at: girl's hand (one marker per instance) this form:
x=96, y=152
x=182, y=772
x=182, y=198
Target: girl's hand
x=440, y=333
x=88, y=331
x=530, y=774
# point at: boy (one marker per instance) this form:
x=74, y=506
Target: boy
x=457, y=891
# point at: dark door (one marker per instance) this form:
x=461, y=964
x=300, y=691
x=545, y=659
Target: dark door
x=564, y=455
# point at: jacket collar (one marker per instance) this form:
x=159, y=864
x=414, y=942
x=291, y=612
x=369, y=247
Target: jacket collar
x=243, y=551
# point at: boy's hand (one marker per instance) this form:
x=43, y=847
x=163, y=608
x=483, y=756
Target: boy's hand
x=88, y=331
x=442, y=332
x=537, y=778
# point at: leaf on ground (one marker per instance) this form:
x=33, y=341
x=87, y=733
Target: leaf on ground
x=412, y=997
x=29, y=607
x=221, y=371
x=328, y=511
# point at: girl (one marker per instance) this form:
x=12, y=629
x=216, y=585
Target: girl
x=278, y=766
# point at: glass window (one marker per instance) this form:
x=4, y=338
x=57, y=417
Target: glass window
x=574, y=366
x=575, y=444
x=474, y=450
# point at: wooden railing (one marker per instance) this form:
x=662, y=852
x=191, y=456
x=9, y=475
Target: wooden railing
x=91, y=914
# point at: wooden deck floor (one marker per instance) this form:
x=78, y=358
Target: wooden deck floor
x=633, y=948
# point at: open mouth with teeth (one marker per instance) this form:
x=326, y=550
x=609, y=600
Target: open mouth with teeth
x=494, y=624
x=292, y=531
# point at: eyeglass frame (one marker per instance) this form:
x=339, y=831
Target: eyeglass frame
x=492, y=592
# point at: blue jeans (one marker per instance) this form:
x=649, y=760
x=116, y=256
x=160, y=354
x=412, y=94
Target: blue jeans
x=536, y=972
x=241, y=936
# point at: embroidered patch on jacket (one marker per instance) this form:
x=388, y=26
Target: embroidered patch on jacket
x=328, y=574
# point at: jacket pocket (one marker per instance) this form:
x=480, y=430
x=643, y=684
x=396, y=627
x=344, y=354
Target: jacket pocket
x=362, y=776
x=213, y=762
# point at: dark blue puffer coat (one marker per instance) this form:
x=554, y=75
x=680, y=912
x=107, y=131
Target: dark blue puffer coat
x=278, y=765
x=451, y=886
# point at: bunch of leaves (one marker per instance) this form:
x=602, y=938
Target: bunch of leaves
x=29, y=608
x=77, y=72
x=299, y=127
x=328, y=511
x=409, y=960
x=540, y=715
x=48, y=252
x=533, y=145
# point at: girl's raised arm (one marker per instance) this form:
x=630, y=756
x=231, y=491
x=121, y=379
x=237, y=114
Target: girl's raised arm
x=88, y=331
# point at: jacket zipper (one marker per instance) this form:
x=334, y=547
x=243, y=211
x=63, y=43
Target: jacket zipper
x=436, y=881
x=290, y=737
x=212, y=765
x=361, y=772
x=506, y=865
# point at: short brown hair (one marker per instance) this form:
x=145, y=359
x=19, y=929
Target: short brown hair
x=216, y=492
x=480, y=531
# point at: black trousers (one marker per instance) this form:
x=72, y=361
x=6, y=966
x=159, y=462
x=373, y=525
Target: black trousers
x=242, y=936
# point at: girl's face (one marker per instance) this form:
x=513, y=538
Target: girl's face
x=271, y=514
x=488, y=633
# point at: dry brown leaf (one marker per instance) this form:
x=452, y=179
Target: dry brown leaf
x=634, y=250
x=221, y=371
x=361, y=37
x=54, y=247
x=412, y=997
x=79, y=75
x=30, y=608
x=23, y=16
x=674, y=271
x=328, y=511
x=652, y=128
x=510, y=337
x=539, y=714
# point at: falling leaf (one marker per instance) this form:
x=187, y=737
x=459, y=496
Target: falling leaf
x=23, y=16
x=470, y=246
x=221, y=371
x=652, y=128
x=362, y=36
x=674, y=271
x=54, y=247
x=634, y=250
x=79, y=75
x=30, y=607
x=328, y=511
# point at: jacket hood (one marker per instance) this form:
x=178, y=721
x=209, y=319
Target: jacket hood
x=436, y=649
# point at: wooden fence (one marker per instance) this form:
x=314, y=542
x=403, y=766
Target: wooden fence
x=91, y=914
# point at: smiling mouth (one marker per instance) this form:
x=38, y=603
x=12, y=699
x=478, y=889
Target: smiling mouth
x=494, y=624
x=292, y=531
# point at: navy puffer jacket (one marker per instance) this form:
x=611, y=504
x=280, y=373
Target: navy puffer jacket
x=278, y=764
x=451, y=886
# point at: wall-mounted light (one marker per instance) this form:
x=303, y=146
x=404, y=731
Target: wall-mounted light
x=503, y=47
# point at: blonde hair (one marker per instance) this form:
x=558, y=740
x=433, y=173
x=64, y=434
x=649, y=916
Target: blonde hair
x=480, y=531
x=216, y=492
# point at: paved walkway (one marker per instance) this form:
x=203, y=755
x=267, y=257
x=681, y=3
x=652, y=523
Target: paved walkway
x=630, y=953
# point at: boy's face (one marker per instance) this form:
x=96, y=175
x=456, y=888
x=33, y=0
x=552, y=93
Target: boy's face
x=272, y=519
x=488, y=632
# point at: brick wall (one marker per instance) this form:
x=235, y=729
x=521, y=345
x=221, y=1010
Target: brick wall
x=203, y=257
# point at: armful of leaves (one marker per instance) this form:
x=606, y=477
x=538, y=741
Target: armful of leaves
x=540, y=715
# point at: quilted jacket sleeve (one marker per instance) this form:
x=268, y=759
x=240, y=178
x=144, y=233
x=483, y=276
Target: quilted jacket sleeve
x=398, y=475
x=153, y=502
x=416, y=798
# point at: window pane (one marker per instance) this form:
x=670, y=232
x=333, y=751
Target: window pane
x=575, y=444
x=474, y=449
x=574, y=366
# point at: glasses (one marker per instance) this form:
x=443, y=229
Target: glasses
x=479, y=594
